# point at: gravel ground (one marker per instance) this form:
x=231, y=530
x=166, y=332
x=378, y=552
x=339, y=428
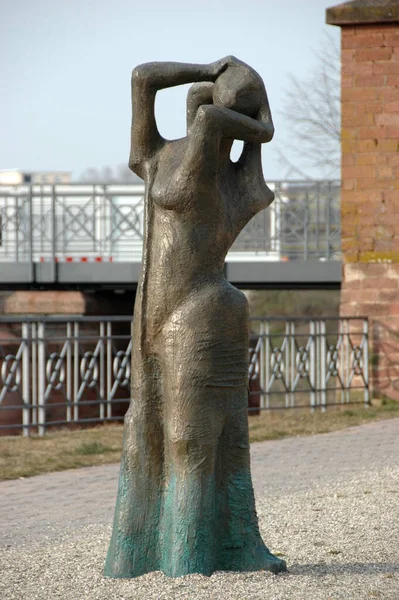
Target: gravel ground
x=340, y=540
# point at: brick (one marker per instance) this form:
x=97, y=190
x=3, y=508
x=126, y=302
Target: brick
x=348, y=208
x=384, y=68
x=45, y=302
x=367, y=28
x=393, y=106
x=370, y=80
x=375, y=270
x=385, y=172
x=371, y=132
x=351, y=256
x=370, y=54
x=348, y=133
x=368, y=207
x=347, y=55
x=354, y=273
x=384, y=231
x=365, y=232
x=348, y=160
x=370, y=40
x=353, y=196
x=373, y=309
x=349, y=245
x=365, y=220
x=391, y=39
x=352, y=285
x=358, y=171
x=392, y=79
x=350, y=109
x=384, y=219
x=393, y=271
x=388, y=285
x=387, y=119
x=392, y=131
x=382, y=245
x=366, y=244
x=369, y=107
x=349, y=309
x=352, y=68
x=348, y=184
x=353, y=95
x=376, y=185
x=388, y=94
x=348, y=229
x=366, y=159
x=346, y=81
x=359, y=146
x=359, y=296
x=357, y=120
x=389, y=295
x=388, y=145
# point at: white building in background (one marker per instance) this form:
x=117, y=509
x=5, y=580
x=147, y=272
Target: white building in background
x=18, y=177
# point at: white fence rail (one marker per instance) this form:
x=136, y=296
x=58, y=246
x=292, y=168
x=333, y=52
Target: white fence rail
x=76, y=371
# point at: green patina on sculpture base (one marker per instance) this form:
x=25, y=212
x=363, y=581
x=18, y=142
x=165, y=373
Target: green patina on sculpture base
x=185, y=499
x=199, y=529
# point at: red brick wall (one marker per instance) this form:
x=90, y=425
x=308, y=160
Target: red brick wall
x=370, y=143
x=370, y=192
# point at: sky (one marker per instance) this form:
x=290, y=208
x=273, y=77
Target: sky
x=66, y=67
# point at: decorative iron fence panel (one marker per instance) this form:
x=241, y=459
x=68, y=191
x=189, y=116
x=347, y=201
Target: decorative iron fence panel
x=40, y=223
x=56, y=371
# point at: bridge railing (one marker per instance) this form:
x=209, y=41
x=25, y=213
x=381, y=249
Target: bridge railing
x=76, y=371
x=99, y=222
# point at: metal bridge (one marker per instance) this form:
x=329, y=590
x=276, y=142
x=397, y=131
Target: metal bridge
x=81, y=236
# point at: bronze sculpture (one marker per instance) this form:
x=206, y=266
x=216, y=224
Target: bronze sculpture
x=185, y=499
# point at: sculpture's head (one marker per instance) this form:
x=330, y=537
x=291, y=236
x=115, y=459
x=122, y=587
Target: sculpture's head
x=239, y=88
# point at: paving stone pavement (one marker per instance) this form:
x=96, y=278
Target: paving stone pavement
x=47, y=505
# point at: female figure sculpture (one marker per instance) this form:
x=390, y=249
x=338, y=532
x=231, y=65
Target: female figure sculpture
x=185, y=499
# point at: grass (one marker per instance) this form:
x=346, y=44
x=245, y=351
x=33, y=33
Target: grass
x=24, y=457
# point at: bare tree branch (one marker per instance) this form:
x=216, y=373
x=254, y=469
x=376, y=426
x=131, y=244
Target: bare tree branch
x=312, y=112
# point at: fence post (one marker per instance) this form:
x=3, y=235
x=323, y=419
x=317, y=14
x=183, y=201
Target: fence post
x=30, y=235
x=366, y=362
x=26, y=380
x=41, y=365
x=312, y=369
x=286, y=369
x=54, y=266
x=69, y=372
x=75, y=372
x=267, y=361
x=322, y=361
x=102, y=370
x=293, y=364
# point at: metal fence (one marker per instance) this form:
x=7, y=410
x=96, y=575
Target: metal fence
x=81, y=222
x=76, y=371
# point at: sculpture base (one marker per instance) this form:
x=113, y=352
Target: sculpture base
x=197, y=529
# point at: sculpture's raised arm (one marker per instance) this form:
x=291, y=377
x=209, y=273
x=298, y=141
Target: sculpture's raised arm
x=147, y=79
x=231, y=124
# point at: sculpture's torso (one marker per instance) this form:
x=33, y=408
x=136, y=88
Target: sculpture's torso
x=189, y=229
